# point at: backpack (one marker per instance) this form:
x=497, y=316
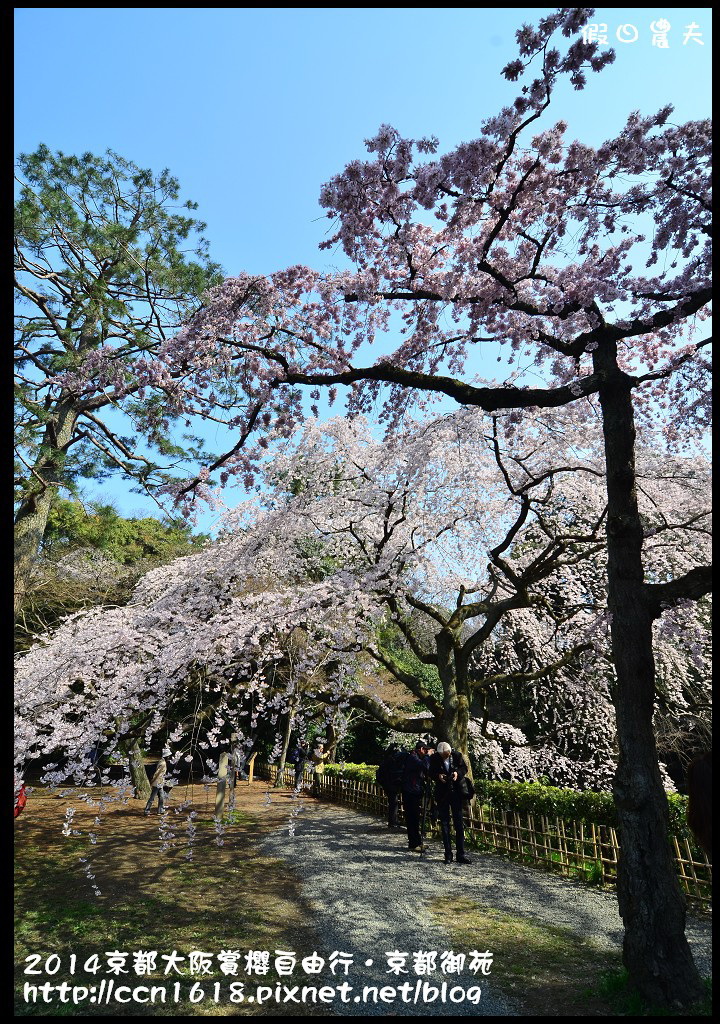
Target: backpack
x=390, y=770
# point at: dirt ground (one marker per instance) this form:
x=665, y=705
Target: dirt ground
x=340, y=880
x=226, y=897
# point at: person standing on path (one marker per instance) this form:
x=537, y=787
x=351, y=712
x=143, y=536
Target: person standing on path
x=447, y=770
x=318, y=757
x=158, y=782
x=389, y=775
x=298, y=758
x=414, y=778
x=699, y=807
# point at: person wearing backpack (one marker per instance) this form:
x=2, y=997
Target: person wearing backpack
x=389, y=776
x=448, y=770
x=414, y=776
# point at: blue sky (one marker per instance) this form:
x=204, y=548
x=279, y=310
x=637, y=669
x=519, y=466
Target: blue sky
x=253, y=109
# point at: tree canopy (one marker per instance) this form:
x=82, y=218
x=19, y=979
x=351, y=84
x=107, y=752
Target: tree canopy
x=92, y=556
x=461, y=559
x=107, y=266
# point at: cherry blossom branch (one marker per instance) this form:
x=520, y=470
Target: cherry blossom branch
x=485, y=398
x=504, y=678
x=403, y=723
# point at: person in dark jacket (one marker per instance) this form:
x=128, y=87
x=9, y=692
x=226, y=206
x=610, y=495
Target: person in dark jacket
x=447, y=769
x=299, y=758
x=415, y=773
x=389, y=775
x=699, y=807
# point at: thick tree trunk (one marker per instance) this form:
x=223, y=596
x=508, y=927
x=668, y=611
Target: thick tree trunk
x=279, y=783
x=456, y=728
x=29, y=532
x=138, y=774
x=32, y=515
x=332, y=740
x=655, y=950
x=456, y=702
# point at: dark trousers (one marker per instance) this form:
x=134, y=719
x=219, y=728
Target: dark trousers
x=454, y=807
x=392, y=798
x=411, y=803
x=159, y=792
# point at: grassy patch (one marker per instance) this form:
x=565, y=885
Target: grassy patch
x=546, y=970
x=614, y=986
x=226, y=898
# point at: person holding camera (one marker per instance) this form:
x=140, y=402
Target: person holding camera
x=448, y=769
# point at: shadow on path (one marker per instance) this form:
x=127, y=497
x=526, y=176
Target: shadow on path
x=372, y=896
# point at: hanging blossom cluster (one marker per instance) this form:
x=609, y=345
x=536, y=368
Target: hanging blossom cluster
x=297, y=807
x=220, y=830
x=190, y=834
x=87, y=868
x=485, y=526
x=207, y=631
x=166, y=835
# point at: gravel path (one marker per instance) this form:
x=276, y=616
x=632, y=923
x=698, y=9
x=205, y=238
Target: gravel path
x=371, y=895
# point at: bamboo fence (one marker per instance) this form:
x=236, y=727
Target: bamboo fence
x=574, y=848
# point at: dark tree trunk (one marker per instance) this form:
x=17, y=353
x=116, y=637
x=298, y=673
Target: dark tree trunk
x=138, y=774
x=457, y=727
x=32, y=514
x=279, y=780
x=331, y=740
x=655, y=950
x=452, y=669
x=29, y=532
